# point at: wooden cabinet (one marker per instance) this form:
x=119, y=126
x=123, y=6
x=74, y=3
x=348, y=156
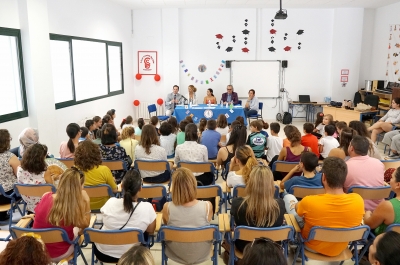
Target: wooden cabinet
x=396, y=92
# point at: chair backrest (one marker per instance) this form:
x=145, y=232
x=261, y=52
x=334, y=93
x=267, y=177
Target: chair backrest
x=151, y=108
x=102, y=190
x=283, y=166
x=371, y=193
x=33, y=190
x=198, y=166
x=152, y=165
x=114, y=237
x=279, y=233
x=240, y=102
x=114, y=164
x=393, y=227
x=239, y=191
x=391, y=163
x=335, y=235
x=260, y=106
x=372, y=100
x=302, y=191
x=68, y=162
x=189, y=235
x=153, y=191
x=209, y=191
x=138, y=137
x=48, y=235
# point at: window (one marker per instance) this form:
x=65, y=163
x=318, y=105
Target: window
x=13, y=103
x=85, y=69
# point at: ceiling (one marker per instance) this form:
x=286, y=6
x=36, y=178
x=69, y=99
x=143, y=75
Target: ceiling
x=286, y=4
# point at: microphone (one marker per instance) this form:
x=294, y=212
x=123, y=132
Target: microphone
x=185, y=99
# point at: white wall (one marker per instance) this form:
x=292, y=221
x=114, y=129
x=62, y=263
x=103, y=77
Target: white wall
x=384, y=17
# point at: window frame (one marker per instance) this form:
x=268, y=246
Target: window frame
x=69, y=39
x=24, y=112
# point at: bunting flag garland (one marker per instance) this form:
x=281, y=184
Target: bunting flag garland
x=199, y=80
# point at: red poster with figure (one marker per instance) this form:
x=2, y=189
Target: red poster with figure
x=147, y=62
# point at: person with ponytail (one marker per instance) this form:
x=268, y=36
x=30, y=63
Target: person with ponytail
x=67, y=149
x=112, y=115
x=210, y=97
x=128, y=212
x=69, y=207
x=138, y=130
x=245, y=159
x=294, y=151
x=127, y=122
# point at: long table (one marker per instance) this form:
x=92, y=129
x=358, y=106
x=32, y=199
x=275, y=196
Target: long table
x=208, y=112
x=309, y=109
x=342, y=114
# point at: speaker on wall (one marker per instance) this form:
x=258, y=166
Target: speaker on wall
x=228, y=64
x=284, y=64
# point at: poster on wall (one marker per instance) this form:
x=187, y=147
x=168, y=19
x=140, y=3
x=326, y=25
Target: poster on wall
x=392, y=64
x=147, y=62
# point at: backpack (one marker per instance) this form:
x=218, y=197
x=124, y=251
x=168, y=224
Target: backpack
x=287, y=118
x=357, y=98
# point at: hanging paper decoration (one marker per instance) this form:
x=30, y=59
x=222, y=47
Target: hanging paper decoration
x=198, y=80
x=219, y=36
x=287, y=48
x=136, y=102
x=160, y=101
x=300, y=32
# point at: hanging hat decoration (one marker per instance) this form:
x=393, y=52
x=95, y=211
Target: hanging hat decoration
x=136, y=102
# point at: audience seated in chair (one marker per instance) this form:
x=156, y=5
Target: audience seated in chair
x=137, y=255
x=245, y=159
x=274, y=143
x=385, y=249
x=342, y=152
x=191, y=151
x=126, y=213
x=8, y=169
x=332, y=209
x=180, y=137
x=33, y=170
x=111, y=151
x=69, y=207
x=222, y=127
x=26, y=138
x=27, y=249
x=88, y=159
x=259, y=208
x=67, y=149
x=150, y=149
x=128, y=141
x=210, y=138
x=362, y=130
x=186, y=211
x=309, y=177
x=385, y=124
x=362, y=169
x=393, y=140
x=327, y=143
x=308, y=139
x=263, y=251
x=256, y=140
x=168, y=139
x=387, y=212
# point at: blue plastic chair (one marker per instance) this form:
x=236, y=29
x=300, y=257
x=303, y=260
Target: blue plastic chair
x=53, y=235
x=258, y=115
x=152, y=108
x=189, y=235
x=128, y=236
x=283, y=233
x=200, y=167
x=393, y=227
x=10, y=208
x=32, y=190
x=355, y=235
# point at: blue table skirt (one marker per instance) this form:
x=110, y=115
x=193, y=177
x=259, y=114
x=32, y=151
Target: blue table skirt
x=212, y=112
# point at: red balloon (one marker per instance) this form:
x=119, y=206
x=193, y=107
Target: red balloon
x=136, y=102
x=160, y=101
x=157, y=78
x=138, y=76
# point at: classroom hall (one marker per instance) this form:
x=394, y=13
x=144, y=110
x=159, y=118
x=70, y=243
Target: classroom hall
x=190, y=41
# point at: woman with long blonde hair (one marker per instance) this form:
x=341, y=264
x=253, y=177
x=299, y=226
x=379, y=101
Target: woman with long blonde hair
x=69, y=207
x=186, y=211
x=259, y=208
x=244, y=159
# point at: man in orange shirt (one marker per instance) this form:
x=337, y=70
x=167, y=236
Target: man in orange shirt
x=332, y=209
x=308, y=139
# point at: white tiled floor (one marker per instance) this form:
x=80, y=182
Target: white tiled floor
x=156, y=249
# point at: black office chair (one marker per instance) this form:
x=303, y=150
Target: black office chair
x=372, y=100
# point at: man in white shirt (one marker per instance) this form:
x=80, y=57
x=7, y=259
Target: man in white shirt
x=327, y=143
x=251, y=107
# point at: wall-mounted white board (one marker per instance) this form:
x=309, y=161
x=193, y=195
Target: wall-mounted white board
x=262, y=76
